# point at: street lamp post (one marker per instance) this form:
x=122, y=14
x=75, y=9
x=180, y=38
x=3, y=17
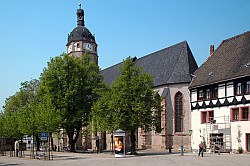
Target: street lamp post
x=182, y=153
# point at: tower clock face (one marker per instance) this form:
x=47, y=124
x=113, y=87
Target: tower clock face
x=88, y=46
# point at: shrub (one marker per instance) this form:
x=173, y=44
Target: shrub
x=240, y=150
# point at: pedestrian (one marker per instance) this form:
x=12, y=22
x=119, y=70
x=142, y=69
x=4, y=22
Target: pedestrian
x=97, y=145
x=55, y=147
x=201, y=149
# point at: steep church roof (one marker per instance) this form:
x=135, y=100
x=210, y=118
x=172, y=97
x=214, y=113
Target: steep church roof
x=229, y=61
x=171, y=65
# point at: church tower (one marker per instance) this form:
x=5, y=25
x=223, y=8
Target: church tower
x=80, y=40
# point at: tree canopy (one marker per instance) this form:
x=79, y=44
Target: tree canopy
x=71, y=84
x=18, y=109
x=130, y=103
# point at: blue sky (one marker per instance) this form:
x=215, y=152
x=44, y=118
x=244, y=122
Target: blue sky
x=33, y=31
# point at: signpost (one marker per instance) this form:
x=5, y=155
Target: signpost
x=44, y=136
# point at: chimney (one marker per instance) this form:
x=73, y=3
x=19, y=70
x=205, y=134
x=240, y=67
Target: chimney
x=211, y=49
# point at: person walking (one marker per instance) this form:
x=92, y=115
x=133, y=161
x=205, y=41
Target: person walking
x=201, y=149
x=97, y=145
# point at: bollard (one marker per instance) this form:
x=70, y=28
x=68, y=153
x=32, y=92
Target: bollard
x=16, y=152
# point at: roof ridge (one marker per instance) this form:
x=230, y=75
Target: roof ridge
x=149, y=54
x=223, y=41
x=234, y=37
x=133, y=59
x=232, y=54
x=163, y=49
x=112, y=66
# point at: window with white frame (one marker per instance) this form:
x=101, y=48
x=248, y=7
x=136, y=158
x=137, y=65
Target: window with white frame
x=200, y=95
x=247, y=87
x=238, y=88
x=208, y=93
x=242, y=86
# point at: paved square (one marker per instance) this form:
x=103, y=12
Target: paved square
x=144, y=158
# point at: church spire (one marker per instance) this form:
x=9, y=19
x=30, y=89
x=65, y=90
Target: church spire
x=80, y=16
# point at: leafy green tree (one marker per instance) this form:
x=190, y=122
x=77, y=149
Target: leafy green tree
x=131, y=103
x=47, y=116
x=26, y=113
x=19, y=112
x=71, y=84
x=102, y=114
x=1, y=124
x=5, y=126
x=13, y=125
x=11, y=128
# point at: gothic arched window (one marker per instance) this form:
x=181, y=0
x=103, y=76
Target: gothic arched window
x=178, y=112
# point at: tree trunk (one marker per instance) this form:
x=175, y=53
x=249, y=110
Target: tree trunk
x=51, y=141
x=37, y=142
x=70, y=132
x=71, y=140
x=72, y=146
x=132, y=139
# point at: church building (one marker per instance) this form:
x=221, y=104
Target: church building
x=171, y=69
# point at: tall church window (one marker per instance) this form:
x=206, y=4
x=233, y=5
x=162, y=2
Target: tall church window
x=178, y=112
x=158, y=115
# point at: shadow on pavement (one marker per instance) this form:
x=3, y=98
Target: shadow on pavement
x=155, y=153
x=3, y=164
x=64, y=157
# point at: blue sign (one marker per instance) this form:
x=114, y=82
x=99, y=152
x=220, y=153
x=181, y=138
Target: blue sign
x=44, y=136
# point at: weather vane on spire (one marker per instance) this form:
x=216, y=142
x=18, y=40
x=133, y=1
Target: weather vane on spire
x=80, y=5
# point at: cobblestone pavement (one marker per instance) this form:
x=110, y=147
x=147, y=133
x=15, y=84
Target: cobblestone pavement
x=144, y=158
